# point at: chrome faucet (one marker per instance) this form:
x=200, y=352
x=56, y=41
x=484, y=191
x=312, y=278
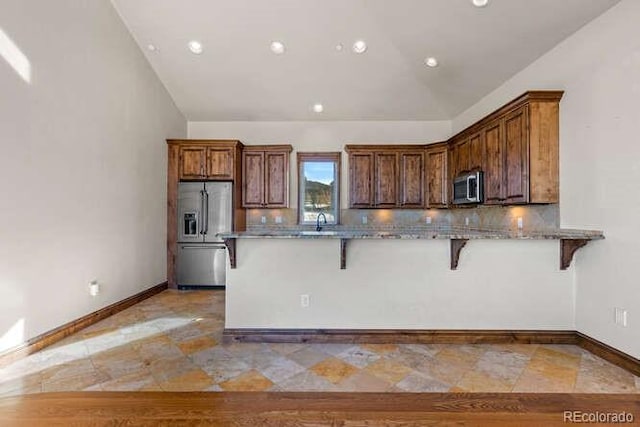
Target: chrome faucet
x=318, y=226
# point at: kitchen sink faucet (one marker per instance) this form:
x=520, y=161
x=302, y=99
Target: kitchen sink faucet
x=318, y=226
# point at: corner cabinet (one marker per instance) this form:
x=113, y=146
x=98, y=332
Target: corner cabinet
x=386, y=176
x=517, y=147
x=265, y=176
x=201, y=160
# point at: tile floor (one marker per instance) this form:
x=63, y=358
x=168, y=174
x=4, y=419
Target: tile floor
x=172, y=342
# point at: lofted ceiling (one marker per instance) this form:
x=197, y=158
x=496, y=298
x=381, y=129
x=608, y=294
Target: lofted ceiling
x=237, y=77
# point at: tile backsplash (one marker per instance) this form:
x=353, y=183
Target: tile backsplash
x=534, y=217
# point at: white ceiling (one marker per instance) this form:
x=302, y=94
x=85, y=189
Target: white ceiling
x=238, y=78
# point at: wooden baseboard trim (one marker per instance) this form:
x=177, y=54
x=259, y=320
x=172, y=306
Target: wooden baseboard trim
x=608, y=353
x=55, y=335
x=400, y=336
x=409, y=336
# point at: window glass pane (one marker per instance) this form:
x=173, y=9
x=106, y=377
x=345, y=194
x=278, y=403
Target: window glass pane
x=318, y=186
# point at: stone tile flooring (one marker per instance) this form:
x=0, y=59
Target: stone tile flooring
x=172, y=342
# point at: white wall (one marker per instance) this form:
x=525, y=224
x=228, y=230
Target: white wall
x=599, y=69
x=83, y=164
x=323, y=136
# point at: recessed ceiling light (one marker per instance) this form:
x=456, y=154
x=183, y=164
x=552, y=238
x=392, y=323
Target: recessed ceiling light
x=152, y=47
x=360, y=46
x=339, y=47
x=431, y=62
x=277, y=47
x=195, y=47
x=318, y=108
x=480, y=3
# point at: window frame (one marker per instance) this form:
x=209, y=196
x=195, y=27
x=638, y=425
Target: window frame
x=329, y=156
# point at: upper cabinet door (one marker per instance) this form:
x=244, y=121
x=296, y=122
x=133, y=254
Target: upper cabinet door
x=516, y=156
x=494, y=172
x=276, y=182
x=437, y=176
x=476, y=152
x=386, y=181
x=361, y=179
x=220, y=163
x=253, y=179
x=462, y=156
x=193, y=162
x=412, y=179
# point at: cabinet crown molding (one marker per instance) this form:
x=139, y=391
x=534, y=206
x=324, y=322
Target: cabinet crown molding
x=272, y=147
x=525, y=98
x=206, y=142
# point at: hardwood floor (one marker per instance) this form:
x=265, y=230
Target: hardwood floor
x=306, y=409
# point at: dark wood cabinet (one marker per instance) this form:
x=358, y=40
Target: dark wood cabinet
x=386, y=176
x=436, y=161
x=494, y=170
x=516, y=156
x=193, y=162
x=517, y=147
x=412, y=176
x=386, y=179
x=253, y=178
x=476, y=152
x=201, y=160
x=276, y=178
x=220, y=163
x=265, y=170
x=361, y=193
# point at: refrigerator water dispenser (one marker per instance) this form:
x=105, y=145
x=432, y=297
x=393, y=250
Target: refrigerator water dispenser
x=190, y=224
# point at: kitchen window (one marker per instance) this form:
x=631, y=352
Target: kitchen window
x=318, y=187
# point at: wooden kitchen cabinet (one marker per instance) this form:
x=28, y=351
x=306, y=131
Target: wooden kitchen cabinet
x=200, y=162
x=193, y=162
x=220, y=163
x=412, y=177
x=494, y=170
x=517, y=147
x=516, y=157
x=386, y=176
x=386, y=179
x=265, y=170
x=437, y=176
x=361, y=181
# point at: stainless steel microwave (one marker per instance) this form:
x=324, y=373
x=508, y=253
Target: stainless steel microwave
x=468, y=188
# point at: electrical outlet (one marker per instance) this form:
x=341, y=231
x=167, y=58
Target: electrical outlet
x=620, y=316
x=427, y=220
x=466, y=220
x=520, y=223
x=364, y=219
x=304, y=300
x=263, y=219
x=278, y=219
x=94, y=288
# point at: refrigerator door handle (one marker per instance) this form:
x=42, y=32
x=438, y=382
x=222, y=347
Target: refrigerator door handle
x=206, y=209
x=202, y=212
x=203, y=247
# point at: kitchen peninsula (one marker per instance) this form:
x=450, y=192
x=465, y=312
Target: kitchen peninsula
x=570, y=240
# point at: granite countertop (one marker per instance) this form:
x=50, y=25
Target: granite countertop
x=412, y=233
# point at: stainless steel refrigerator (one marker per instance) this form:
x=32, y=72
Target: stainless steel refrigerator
x=204, y=209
